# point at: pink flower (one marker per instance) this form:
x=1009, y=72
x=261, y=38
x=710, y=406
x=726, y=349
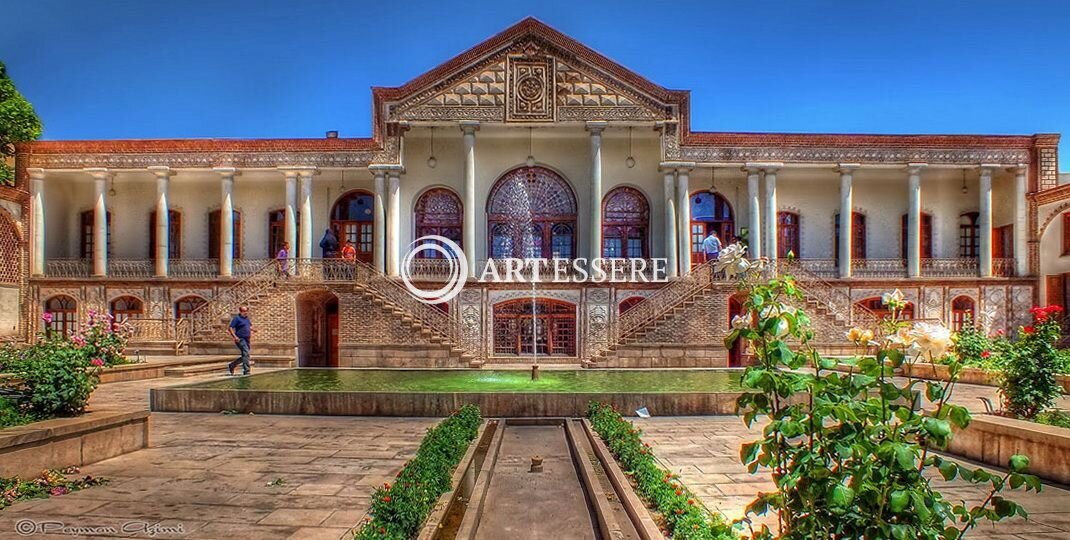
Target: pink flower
x=58, y=490
x=47, y=317
x=78, y=340
x=97, y=362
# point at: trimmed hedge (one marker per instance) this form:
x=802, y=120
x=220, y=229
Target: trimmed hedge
x=399, y=509
x=683, y=516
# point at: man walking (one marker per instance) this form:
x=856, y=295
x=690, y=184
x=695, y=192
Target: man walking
x=241, y=328
x=282, y=260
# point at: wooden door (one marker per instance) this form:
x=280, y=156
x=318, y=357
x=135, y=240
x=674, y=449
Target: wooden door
x=1055, y=290
x=332, y=339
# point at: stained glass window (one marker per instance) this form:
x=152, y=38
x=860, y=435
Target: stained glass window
x=531, y=210
x=625, y=223
x=439, y=212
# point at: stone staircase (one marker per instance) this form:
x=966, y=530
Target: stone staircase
x=437, y=326
x=211, y=318
x=442, y=351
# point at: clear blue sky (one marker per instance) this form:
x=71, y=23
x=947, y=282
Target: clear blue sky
x=244, y=68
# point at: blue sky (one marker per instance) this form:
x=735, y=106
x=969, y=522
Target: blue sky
x=244, y=68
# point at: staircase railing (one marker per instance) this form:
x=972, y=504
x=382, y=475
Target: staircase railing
x=656, y=306
x=209, y=314
x=387, y=289
x=835, y=299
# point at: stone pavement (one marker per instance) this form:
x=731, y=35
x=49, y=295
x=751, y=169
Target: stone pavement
x=234, y=476
x=246, y=476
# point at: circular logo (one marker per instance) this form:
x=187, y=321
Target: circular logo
x=25, y=527
x=453, y=256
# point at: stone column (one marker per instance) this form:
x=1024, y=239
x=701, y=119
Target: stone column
x=100, y=220
x=37, y=213
x=305, y=204
x=596, y=129
x=290, y=223
x=754, y=203
x=468, y=237
x=162, y=249
x=226, y=220
x=914, y=219
x=1021, y=239
x=985, y=220
x=379, y=221
x=683, y=218
x=770, y=216
x=846, y=217
x=670, y=224
x=393, y=223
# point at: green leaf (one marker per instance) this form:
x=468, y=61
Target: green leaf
x=948, y=470
x=898, y=500
x=1019, y=463
x=937, y=427
x=904, y=457
x=748, y=452
x=841, y=496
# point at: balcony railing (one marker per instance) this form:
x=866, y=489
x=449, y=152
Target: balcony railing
x=68, y=268
x=950, y=267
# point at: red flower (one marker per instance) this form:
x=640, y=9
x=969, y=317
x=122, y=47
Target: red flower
x=387, y=499
x=986, y=354
x=1029, y=329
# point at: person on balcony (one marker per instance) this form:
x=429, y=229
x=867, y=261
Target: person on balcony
x=348, y=252
x=712, y=246
x=240, y=329
x=282, y=259
x=329, y=244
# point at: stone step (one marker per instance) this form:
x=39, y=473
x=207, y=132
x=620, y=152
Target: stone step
x=198, y=369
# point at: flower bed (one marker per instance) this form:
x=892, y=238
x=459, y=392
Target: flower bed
x=968, y=375
x=681, y=514
x=51, y=483
x=399, y=509
x=64, y=442
x=992, y=440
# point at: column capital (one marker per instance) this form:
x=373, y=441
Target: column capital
x=848, y=167
x=383, y=168
x=763, y=165
x=98, y=173
x=469, y=127
x=226, y=171
x=677, y=166
x=161, y=171
x=596, y=126
x=1020, y=168
x=307, y=172
x=36, y=173
x=915, y=168
x=989, y=167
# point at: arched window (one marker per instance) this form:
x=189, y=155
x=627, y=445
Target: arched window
x=625, y=224
x=187, y=304
x=277, y=230
x=174, y=235
x=926, y=236
x=439, y=212
x=969, y=235
x=629, y=303
x=126, y=307
x=86, y=235
x=64, y=312
x=877, y=307
x=531, y=211
x=215, y=239
x=858, y=237
x=962, y=310
x=787, y=228
x=551, y=330
x=352, y=217
x=710, y=212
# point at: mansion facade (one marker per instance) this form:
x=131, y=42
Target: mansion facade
x=527, y=145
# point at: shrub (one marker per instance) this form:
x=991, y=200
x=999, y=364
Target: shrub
x=1028, y=384
x=849, y=452
x=1054, y=418
x=11, y=414
x=973, y=348
x=683, y=516
x=399, y=509
x=56, y=377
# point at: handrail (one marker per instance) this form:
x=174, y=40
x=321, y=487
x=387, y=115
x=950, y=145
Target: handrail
x=204, y=316
x=656, y=305
x=445, y=325
x=834, y=298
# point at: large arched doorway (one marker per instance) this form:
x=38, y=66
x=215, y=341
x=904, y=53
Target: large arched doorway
x=546, y=328
x=352, y=218
x=710, y=212
x=317, y=329
x=531, y=213
x=625, y=224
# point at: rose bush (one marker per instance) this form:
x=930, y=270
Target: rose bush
x=1028, y=383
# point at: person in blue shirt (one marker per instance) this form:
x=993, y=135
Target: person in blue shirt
x=241, y=329
x=712, y=246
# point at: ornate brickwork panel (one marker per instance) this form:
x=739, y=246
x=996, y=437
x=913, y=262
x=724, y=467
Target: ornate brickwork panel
x=993, y=315
x=583, y=97
x=598, y=310
x=530, y=89
x=932, y=305
x=470, y=304
x=362, y=322
x=10, y=251
x=858, y=154
x=1021, y=301
x=1048, y=173
x=475, y=94
x=199, y=159
x=484, y=89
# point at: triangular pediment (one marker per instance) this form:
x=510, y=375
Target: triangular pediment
x=530, y=73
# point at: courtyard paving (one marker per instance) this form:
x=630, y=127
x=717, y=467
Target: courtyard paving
x=256, y=476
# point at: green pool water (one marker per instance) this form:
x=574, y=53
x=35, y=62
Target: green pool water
x=483, y=380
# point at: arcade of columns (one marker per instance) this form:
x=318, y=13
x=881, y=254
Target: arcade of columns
x=762, y=220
